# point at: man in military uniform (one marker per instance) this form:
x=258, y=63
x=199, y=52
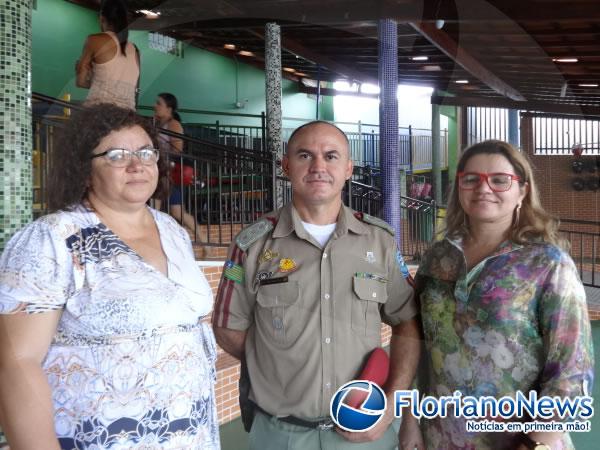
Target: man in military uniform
x=302, y=299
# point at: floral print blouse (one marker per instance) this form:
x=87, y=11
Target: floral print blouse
x=132, y=364
x=516, y=321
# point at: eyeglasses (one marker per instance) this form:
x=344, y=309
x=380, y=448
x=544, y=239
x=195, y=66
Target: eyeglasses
x=120, y=157
x=498, y=182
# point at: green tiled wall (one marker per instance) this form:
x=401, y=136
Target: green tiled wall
x=15, y=116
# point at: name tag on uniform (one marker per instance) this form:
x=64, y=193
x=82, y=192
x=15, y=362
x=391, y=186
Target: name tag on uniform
x=273, y=281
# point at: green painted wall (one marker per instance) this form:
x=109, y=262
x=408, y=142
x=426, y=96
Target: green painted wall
x=201, y=80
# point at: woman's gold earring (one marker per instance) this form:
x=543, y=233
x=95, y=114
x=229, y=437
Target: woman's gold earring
x=517, y=214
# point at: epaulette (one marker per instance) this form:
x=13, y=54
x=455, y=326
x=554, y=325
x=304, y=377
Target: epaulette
x=377, y=222
x=253, y=233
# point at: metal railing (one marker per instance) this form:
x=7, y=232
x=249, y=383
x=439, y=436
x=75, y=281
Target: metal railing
x=414, y=144
x=584, y=240
x=228, y=187
x=223, y=187
x=418, y=216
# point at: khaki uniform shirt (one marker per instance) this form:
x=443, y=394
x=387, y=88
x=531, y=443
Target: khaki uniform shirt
x=313, y=314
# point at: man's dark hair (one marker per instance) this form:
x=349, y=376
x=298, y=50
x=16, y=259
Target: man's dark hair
x=70, y=162
x=115, y=14
x=318, y=122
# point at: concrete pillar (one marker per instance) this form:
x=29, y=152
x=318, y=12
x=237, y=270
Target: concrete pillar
x=436, y=156
x=15, y=120
x=388, y=124
x=273, y=100
x=513, y=127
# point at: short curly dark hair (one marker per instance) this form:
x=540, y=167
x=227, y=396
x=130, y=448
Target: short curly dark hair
x=70, y=163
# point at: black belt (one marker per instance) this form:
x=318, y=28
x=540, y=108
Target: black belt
x=323, y=425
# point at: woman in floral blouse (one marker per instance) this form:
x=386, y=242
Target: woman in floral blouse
x=502, y=304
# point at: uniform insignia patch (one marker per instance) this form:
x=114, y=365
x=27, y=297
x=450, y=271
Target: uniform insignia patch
x=253, y=233
x=267, y=255
x=233, y=272
x=402, y=265
x=370, y=257
x=260, y=276
x=287, y=265
x=378, y=223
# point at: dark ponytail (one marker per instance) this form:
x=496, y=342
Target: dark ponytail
x=171, y=102
x=115, y=14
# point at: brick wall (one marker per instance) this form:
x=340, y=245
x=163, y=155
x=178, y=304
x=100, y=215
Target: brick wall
x=553, y=175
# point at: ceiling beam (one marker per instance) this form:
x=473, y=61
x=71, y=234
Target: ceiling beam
x=505, y=103
x=332, y=12
x=297, y=48
x=332, y=92
x=454, y=51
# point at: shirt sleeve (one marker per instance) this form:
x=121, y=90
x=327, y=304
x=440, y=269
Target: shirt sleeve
x=400, y=305
x=569, y=366
x=234, y=307
x=36, y=271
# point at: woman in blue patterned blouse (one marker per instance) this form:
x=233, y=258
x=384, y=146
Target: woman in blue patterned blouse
x=102, y=342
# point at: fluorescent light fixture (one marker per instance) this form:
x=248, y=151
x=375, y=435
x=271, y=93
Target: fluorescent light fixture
x=462, y=81
x=588, y=84
x=420, y=58
x=245, y=53
x=289, y=69
x=432, y=68
x=301, y=74
x=229, y=46
x=565, y=60
x=149, y=14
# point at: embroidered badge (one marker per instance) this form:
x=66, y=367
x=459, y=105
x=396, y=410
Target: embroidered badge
x=402, y=265
x=253, y=233
x=260, y=276
x=370, y=257
x=287, y=265
x=234, y=272
x=267, y=255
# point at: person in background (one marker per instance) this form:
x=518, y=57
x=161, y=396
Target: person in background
x=302, y=299
x=502, y=304
x=109, y=65
x=102, y=338
x=167, y=117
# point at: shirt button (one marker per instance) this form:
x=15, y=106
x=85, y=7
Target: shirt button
x=324, y=255
x=374, y=294
x=326, y=296
x=327, y=340
x=328, y=385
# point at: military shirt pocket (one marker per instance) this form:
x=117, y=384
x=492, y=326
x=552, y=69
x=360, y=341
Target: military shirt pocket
x=371, y=294
x=277, y=307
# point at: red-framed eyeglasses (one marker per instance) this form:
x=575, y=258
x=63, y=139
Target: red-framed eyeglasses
x=498, y=181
